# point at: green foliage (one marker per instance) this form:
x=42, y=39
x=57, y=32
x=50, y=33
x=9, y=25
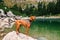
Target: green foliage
x=15, y=12
x=0, y=0
x=42, y=9
x=15, y=7
x=1, y=5
x=29, y=10
x=58, y=6
x=51, y=7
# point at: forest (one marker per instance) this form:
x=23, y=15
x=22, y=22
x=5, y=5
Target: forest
x=42, y=8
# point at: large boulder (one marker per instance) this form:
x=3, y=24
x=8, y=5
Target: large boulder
x=13, y=36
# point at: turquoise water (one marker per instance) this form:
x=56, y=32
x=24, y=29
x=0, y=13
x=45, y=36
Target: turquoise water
x=48, y=29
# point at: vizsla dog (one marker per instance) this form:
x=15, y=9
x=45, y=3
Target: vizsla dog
x=26, y=23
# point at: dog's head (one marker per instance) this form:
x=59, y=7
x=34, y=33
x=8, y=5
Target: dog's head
x=32, y=18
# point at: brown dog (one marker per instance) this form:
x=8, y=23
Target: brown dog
x=25, y=23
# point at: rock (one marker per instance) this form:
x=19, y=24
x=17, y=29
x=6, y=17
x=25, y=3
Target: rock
x=3, y=34
x=13, y=36
x=42, y=38
x=9, y=13
x=6, y=23
x=2, y=12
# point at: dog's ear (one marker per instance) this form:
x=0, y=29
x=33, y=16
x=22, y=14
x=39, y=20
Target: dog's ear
x=32, y=18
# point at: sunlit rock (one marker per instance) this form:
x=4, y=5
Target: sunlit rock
x=13, y=36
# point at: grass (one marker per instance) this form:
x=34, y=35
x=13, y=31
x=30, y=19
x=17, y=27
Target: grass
x=38, y=29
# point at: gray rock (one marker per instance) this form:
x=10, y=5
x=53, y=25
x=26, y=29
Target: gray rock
x=42, y=38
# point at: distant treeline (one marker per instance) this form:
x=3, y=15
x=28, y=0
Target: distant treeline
x=0, y=0
x=42, y=9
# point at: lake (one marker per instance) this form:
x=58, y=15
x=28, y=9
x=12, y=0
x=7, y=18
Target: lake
x=49, y=29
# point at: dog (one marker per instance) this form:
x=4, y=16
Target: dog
x=24, y=22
